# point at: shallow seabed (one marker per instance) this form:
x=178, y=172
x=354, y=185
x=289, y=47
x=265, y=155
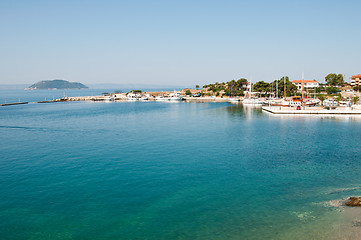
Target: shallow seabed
x=176, y=171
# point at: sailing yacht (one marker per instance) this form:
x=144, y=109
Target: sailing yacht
x=251, y=100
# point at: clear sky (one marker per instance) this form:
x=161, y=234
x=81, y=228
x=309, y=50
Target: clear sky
x=177, y=42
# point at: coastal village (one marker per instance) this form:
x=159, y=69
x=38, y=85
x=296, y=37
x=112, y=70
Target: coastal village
x=282, y=96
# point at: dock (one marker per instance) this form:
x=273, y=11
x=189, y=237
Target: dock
x=312, y=110
x=123, y=97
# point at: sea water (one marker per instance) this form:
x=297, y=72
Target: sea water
x=161, y=170
x=21, y=95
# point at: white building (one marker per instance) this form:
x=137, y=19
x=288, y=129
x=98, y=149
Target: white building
x=306, y=84
x=246, y=86
x=355, y=80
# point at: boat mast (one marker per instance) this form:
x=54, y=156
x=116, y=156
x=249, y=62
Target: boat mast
x=302, y=84
x=284, y=94
x=303, y=91
x=250, y=91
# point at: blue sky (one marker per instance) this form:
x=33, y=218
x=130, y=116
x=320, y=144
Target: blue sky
x=177, y=42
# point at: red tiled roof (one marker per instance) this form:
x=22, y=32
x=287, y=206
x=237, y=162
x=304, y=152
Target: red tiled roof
x=356, y=76
x=305, y=81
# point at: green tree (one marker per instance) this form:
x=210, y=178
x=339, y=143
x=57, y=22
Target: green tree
x=291, y=89
x=241, y=81
x=318, y=89
x=357, y=88
x=332, y=90
x=261, y=86
x=188, y=92
x=136, y=91
x=231, y=88
x=334, y=79
x=355, y=99
x=338, y=99
x=322, y=98
x=197, y=86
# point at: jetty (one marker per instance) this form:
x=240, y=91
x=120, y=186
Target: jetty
x=312, y=110
x=10, y=104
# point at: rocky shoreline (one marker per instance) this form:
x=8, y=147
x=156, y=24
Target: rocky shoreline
x=353, y=202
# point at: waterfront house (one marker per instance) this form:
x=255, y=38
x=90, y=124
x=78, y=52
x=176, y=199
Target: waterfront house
x=246, y=86
x=306, y=84
x=355, y=80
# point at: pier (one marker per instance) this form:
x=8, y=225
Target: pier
x=10, y=104
x=123, y=97
x=312, y=110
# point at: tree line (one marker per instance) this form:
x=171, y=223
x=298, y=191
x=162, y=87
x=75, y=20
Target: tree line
x=238, y=87
x=276, y=87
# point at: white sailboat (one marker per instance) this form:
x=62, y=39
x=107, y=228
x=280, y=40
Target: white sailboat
x=252, y=100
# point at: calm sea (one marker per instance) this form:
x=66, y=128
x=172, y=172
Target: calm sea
x=156, y=170
x=20, y=95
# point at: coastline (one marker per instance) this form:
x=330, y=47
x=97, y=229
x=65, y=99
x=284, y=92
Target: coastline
x=123, y=97
x=338, y=222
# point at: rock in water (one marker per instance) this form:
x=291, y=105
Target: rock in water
x=354, y=202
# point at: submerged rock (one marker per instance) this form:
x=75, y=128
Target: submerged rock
x=353, y=202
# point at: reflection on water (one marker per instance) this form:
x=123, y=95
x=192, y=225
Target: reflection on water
x=245, y=112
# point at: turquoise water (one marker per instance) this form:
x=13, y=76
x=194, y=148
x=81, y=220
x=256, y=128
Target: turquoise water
x=175, y=171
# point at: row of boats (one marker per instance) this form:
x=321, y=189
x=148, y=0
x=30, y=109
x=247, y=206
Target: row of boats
x=175, y=96
x=292, y=102
x=284, y=102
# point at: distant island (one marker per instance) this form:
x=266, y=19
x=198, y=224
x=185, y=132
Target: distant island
x=56, y=84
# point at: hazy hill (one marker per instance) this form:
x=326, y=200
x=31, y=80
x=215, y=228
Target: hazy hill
x=56, y=84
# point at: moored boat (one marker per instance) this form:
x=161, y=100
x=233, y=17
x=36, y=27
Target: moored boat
x=175, y=96
x=161, y=98
x=294, y=102
x=252, y=101
x=234, y=99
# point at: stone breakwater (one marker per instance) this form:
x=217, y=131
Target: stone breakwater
x=10, y=104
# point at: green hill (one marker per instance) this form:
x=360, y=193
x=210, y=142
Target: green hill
x=56, y=84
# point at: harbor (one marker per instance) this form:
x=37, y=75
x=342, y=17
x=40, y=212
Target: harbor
x=291, y=105
x=204, y=120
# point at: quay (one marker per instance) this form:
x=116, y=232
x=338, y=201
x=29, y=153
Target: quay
x=311, y=110
x=53, y=101
x=123, y=97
